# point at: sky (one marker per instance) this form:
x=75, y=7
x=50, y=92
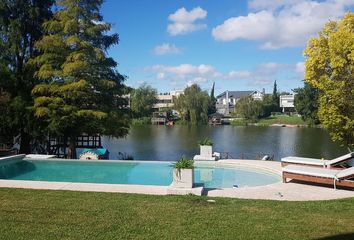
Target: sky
x=238, y=44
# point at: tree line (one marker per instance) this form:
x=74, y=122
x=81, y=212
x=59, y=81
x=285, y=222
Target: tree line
x=55, y=75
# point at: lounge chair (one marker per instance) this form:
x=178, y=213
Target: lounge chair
x=344, y=178
x=317, y=162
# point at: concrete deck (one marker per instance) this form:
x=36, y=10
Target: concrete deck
x=277, y=191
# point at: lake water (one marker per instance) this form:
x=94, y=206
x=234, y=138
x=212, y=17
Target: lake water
x=161, y=143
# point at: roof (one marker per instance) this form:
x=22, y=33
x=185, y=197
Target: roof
x=235, y=94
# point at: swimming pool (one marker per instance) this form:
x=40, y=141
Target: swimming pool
x=129, y=172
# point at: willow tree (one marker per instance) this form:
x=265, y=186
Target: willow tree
x=83, y=92
x=20, y=27
x=142, y=100
x=193, y=105
x=330, y=69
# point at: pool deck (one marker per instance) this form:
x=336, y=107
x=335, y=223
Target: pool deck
x=278, y=191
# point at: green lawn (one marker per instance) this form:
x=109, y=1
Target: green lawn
x=42, y=214
x=282, y=119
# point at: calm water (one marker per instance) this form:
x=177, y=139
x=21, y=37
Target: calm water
x=170, y=143
x=141, y=173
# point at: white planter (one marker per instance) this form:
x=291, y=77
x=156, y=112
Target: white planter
x=183, y=178
x=206, y=151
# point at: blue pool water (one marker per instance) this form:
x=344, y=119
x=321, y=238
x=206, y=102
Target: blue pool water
x=142, y=173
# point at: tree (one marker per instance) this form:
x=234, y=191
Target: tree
x=212, y=107
x=83, y=91
x=329, y=68
x=193, y=105
x=306, y=103
x=249, y=108
x=275, y=97
x=20, y=27
x=142, y=100
x=268, y=105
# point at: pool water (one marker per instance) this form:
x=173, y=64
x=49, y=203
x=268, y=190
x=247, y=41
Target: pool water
x=141, y=173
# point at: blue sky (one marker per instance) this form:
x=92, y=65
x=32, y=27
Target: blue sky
x=241, y=45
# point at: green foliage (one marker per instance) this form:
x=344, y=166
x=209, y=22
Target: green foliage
x=142, y=101
x=249, y=108
x=184, y=163
x=306, y=103
x=329, y=69
x=83, y=92
x=269, y=105
x=20, y=26
x=275, y=96
x=206, y=142
x=212, y=107
x=193, y=105
x=141, y=121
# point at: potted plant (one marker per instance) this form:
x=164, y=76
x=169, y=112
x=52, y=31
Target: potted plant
x=183, y=173
x=206, y=148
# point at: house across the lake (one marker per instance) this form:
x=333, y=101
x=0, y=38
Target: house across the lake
x=286, y=102
x=165, y=100
x=226, y=101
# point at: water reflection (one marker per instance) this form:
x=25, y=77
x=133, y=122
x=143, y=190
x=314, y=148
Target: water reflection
x=170, y=143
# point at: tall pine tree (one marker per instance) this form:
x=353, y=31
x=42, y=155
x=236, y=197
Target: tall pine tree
x=20, y=27
x=212, y=107
x=83, y=93
x=275, y=97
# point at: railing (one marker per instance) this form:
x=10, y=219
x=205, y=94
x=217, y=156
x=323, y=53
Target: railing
x=257, y=156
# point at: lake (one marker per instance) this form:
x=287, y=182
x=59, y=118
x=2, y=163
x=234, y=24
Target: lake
x=151, y=142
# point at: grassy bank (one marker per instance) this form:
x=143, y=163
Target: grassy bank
x=277, y=119
x=282, y=119
x=41, y=214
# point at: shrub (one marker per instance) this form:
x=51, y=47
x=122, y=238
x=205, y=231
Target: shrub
x=184, y=163
x=206, y=142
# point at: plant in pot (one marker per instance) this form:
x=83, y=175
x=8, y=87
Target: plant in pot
x=206, y=147
x=183, y=173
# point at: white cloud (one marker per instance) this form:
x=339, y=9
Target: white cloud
x=166, y=48
x=271, y=5
x=300, y=69
x=183, y=21
x=278, y=24
x=187, y=74
x=238, y=75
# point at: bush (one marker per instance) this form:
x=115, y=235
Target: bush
x=206, y=142
x=141, y=121
x=184, y=163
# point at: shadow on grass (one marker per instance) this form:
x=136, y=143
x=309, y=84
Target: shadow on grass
x=345, y=236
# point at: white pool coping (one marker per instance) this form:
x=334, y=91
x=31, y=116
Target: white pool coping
x=277, y=191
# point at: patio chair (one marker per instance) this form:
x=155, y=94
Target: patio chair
x=344, y=178
x=317, y=162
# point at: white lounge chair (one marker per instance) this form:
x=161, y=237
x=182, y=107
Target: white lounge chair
x=317, y=162
x=319, y=175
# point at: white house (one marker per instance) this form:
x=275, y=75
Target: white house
x=226, y=101
x=166, y=100
x=286, y=102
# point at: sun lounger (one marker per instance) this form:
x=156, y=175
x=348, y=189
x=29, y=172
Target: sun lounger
x=317, y=162
x=344, y=178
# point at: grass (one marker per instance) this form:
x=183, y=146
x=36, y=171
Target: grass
x=282, y=119
x=43, y=214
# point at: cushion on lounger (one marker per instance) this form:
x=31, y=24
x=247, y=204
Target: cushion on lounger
x=341, y=158
x=301, y=160
x=345, y=173
x=311, y=171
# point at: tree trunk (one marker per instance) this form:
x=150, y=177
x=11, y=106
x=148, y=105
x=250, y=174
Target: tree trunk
x=72, y=148
x=25, y=144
